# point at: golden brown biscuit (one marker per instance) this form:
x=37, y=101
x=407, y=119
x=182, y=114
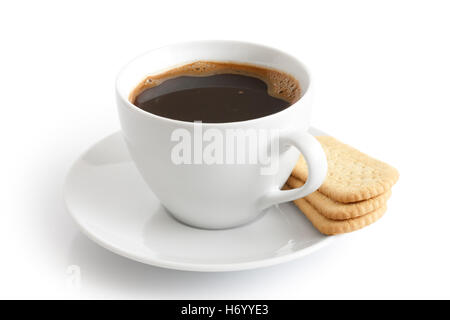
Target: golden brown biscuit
x=337, y=210
x=331, y=227
x=352, y=175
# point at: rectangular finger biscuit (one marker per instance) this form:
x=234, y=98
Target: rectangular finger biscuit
x=337, y=210
x=352, y=175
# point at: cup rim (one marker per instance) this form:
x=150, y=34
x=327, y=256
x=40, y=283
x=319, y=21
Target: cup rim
x=215, y=124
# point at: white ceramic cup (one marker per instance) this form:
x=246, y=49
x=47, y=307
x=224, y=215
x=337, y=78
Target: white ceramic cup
x=217, y=196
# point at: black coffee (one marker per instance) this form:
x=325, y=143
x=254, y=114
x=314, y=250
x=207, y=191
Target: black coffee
x=213, y=98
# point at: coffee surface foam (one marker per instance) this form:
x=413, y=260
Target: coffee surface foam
x=279, y=84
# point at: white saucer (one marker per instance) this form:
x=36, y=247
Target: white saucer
x=114, y=207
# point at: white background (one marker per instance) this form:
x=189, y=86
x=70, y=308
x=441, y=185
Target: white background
x=382, y=84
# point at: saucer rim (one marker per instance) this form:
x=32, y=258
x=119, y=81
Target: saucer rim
x=204, y=267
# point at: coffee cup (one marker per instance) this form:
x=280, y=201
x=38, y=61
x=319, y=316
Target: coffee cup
x=221, y=194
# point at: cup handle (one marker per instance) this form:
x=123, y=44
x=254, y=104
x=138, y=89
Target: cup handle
x=316, y=161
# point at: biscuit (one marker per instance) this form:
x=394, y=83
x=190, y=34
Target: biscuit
x=331, y=227
x=337, y=210
x=352, y=175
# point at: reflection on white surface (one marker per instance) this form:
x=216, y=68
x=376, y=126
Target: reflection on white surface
x=59, y=244
x=106, y=274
